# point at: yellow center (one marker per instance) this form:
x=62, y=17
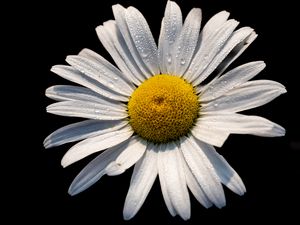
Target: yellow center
x=163, y=108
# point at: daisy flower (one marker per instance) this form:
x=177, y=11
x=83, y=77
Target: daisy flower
x=158, y=111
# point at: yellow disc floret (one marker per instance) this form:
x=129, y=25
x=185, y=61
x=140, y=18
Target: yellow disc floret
x=163, y=108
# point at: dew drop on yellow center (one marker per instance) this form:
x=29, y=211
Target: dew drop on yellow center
x=163, y=108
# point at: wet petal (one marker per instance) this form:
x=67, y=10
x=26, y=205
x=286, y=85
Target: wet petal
x=96, y=144
x=143, y=177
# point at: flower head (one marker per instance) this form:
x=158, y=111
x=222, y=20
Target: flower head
x=157, y=110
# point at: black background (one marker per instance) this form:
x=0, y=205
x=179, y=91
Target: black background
x=45, y=33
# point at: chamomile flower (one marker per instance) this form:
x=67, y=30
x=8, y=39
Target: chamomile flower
x=157, y=110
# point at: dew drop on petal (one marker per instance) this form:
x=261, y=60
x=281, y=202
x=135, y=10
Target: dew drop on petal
x=170, y=41
x=205, y=57
x=169, y=59
x=111, y=85
x=144, y=54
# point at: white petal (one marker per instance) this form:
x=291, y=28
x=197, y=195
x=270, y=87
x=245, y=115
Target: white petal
x=76, y=76
x=209, y=134
x=203, y=171
x=102, y=71
x=93, y=56
x=195, y=187
x=70, y=92
x=208, y=50
x=237, y=37
x=87, y=110
x=143, y=177
x=95, y=144
x=170, y=28
x=226, y=173
x=213, y=25
x=113, y=41
x=233, y=55
x=142, y=38
x=91, y=173
x=236, y=52
x=231, y=79
x=163, y=182
x=210, y=28
x=119, y=14
x=185, y=44
x=171, y=172
x=81, y=130
x=242, y=124
x=134, y=151
x=248, y=95
x=95, y=169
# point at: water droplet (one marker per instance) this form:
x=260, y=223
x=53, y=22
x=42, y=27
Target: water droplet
x=144, y=54
x=182, y=61
x=98, y=117
x=216, y=104
x=116, y=78
x=169, y=59
x=97, y=111
x=205, y=57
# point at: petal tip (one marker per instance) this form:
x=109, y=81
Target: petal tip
x=197, y=11
x=69, y=59
x=75, y=189
x=127, y=215
x=71, y=192
x=220, y=205
x=65, y=162
x=242, y=193
x=282, y=132
x=54, y=68
x=117, y=5
x=261, y=64
x=186, y=216
x=283, y=90
x=47, y=145
x=278, y=131
x=224, y=13
x=83, y=51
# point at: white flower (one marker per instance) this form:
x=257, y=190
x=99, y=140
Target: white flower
x=155, y=112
